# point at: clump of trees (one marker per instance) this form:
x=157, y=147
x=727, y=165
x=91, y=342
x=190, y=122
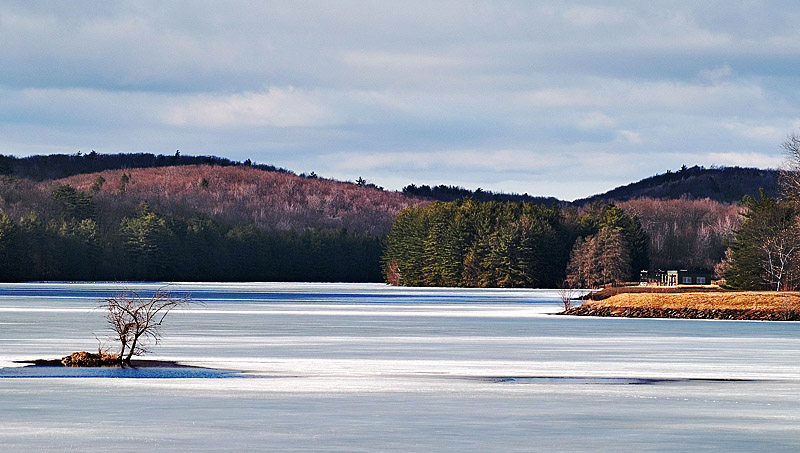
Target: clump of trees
x=765, y=254
x=598, y=259
x=766, y=250
x=491, y=244
x=612, y=248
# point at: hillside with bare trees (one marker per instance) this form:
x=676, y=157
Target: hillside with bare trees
x=686, y=234
x=237, y=195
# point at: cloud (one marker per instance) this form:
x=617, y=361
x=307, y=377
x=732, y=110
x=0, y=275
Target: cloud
x=716, y=75
x=275, y=107
x=631, y=137
x=536, y=164
x=765, y=133
x=596, y=120
x=745, y=159
x=400, y=61
x=585, y=16
x=485, y=160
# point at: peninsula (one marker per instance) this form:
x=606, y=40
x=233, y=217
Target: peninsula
x=692, y=303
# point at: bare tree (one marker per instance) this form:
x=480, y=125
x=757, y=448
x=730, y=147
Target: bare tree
x=566, y=292
x=780, y=249
x=599, y=259
x=790, y=177
x=136, y=321
x=582, y=269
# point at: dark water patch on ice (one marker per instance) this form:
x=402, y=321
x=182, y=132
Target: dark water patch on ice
x=146, y=372
x=577, y=380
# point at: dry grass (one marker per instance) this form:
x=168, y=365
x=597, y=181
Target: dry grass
x=738, y=300
x=614, y=290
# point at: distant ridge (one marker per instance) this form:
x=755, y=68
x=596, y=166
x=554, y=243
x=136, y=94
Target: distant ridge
x=723, y=184
x=57, y=166
x=453, y=193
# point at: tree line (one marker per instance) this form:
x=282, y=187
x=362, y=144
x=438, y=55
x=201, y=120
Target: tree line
x=67, y=234
x=453, y=193
x=493, y=244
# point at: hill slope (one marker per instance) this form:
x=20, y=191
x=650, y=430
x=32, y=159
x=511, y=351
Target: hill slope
x=240, y=194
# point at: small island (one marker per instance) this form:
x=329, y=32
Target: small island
x=136, y=322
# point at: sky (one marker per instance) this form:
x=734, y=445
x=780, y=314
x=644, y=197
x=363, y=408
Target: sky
x=564, y=99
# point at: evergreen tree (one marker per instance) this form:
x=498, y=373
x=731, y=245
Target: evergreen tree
x=73, y=203
x=149, y=244
x=9, y=249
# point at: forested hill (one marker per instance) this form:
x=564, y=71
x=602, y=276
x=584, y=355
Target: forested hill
x=56, y=166
x=193, y=223
x=723, y=184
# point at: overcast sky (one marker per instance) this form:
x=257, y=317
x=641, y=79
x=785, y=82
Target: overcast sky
x=550, y=98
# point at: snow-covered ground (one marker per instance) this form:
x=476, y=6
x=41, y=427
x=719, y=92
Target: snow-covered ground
x=369, y=367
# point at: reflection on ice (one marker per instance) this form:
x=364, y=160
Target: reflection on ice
x=111, y=372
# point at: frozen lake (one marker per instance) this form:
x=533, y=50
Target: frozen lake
x=334, y=367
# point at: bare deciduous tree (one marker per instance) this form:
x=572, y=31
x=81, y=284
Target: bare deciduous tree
x=136, y=320
x=615, y=261
x=790, y=177
x=599, y=259
x=566, y=292
x=780, y=250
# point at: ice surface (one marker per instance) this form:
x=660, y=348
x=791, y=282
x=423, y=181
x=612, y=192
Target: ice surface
x=342, y=367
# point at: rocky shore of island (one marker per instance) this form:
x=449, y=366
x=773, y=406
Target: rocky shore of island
x=590, y=309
